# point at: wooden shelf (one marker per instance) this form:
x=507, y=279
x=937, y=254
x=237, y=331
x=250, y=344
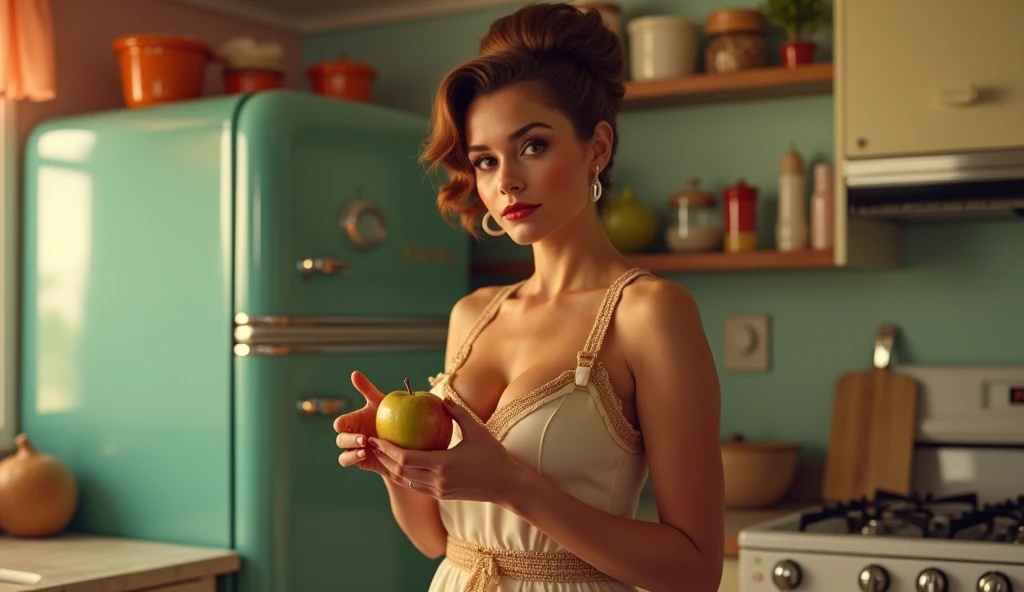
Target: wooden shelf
x=674, y=262
x=760, y=83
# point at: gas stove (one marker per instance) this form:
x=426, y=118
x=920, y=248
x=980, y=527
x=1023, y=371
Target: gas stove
x=959, y=517
x=961, y=528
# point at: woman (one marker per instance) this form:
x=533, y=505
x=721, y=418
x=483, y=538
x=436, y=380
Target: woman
x=569, y=387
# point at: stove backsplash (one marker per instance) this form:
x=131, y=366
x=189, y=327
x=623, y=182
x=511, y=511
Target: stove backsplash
x=953, y=470
x=970, y=431
x=969, y=404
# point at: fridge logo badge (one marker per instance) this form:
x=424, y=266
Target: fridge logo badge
x=414, y=254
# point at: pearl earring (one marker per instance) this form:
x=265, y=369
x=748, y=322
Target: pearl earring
x=596, y=190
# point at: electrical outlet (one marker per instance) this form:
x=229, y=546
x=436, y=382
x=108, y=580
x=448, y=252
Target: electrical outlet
x=746, y=343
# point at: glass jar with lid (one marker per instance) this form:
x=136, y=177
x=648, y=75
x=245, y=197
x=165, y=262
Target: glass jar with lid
x=736, y=40
x=698, y=225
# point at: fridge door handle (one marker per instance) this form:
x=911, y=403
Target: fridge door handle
x=311, y=406
x=323, y=265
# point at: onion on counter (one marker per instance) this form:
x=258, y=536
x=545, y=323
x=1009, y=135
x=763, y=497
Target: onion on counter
x=38, y=493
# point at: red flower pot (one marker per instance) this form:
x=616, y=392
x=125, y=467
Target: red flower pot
x=797, y=53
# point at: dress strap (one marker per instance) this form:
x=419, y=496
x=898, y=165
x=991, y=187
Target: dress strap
x=485, y=317
x=586, y=358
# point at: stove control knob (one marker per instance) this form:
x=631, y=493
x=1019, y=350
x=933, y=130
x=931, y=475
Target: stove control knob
x=786, y=575
x=873, y=579
x=994, y=581
x=932, y=580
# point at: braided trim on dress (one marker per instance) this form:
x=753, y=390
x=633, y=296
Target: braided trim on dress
x=509, y=414
x=625, y=435
x=487, y=565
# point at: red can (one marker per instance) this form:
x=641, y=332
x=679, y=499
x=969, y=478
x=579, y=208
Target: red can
x=740, y=217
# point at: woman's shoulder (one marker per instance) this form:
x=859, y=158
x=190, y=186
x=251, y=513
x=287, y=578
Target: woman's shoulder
x=472, y=305
x=659, y=325
x=653, y=309
x=651, y=298
x=464, y=316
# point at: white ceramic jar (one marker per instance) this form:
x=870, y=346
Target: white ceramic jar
x=661, y=46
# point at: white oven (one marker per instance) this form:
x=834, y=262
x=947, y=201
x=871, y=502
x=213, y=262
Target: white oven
x=960, y=529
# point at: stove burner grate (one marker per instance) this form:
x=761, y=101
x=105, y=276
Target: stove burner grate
x=928, y=516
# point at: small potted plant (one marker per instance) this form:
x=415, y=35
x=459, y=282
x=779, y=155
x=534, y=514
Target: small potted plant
x=800, y=19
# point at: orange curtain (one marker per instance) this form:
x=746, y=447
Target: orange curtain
x=26, y=50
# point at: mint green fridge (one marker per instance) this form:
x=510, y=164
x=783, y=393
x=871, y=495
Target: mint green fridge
x=199, y=282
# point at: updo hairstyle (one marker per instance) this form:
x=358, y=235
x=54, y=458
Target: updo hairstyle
x=579, y=64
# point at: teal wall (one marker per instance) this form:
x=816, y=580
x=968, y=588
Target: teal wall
x=959, y=297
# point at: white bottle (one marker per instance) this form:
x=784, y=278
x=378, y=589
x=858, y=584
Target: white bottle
x=822, y=208
x=791, y=227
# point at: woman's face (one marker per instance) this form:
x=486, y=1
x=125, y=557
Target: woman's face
x=532, y=172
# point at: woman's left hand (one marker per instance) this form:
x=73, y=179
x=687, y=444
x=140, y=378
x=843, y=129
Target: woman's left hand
x=478, y=468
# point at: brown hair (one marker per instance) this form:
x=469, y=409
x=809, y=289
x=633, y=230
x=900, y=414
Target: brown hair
x=576, y=58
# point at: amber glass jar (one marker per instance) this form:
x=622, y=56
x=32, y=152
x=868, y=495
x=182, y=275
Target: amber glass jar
x=735, y=41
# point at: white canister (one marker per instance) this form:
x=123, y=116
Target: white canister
x=661, y=46
x=822, y=208
x=791, y=226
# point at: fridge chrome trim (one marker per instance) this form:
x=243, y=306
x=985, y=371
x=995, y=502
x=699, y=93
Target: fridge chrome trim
x=292, y=321
x=286, y=335
x=243, y=350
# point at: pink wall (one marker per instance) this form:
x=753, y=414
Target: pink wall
x=87, y=74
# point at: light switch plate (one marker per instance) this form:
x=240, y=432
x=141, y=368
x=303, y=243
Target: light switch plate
x=746, y=343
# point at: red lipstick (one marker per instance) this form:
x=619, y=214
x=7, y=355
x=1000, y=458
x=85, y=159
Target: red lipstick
x=518, y=210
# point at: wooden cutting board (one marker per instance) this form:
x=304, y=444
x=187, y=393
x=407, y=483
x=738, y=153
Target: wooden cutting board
x=871, y=440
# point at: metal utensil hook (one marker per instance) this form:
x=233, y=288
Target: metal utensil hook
x=884, y=340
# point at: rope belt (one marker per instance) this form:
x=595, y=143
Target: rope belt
x=486, y=565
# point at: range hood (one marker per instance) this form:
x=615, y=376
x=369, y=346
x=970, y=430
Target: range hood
x=951, y=186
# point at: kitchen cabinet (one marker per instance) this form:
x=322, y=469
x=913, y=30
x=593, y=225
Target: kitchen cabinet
x=929, y=76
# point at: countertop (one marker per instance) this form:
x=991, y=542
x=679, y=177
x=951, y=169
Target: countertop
x=87, y=563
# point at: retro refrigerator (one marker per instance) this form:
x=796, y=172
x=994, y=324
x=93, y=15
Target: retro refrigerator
x=199, y=282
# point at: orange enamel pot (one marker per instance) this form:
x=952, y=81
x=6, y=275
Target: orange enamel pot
x=251, y=80
x=343, y=79
x=159, y=69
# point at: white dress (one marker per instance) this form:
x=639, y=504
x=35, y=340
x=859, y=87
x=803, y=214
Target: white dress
x=571, y=430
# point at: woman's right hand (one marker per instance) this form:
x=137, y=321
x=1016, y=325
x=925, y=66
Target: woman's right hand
x=356, y=428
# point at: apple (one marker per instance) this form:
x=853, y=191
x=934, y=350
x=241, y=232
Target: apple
x=414, y=420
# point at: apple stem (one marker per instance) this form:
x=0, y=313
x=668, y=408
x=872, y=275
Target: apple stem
x=408, y=387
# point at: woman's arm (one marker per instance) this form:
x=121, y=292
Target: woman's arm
x=417, y=513
x=418, y=516
x=678, y=404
